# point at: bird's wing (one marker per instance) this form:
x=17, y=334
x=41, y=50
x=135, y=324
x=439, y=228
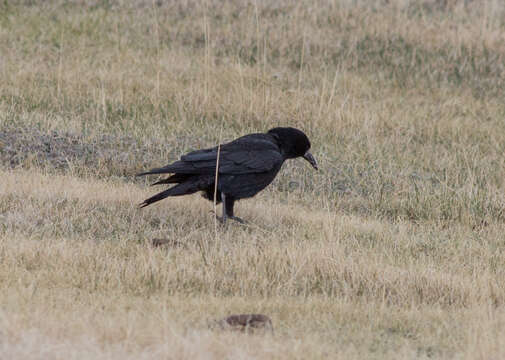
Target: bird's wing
x=252, y=161
x=248, y=154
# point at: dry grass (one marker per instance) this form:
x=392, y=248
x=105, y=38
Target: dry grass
x=394, y=250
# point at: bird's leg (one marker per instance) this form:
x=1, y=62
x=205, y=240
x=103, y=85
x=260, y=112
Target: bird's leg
x=228, y=204
x=225, y=213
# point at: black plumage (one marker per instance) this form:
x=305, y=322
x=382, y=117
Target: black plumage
x=246, y=166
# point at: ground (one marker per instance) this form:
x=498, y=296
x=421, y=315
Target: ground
x=394, y=249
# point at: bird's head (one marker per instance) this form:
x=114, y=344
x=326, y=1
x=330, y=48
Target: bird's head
x=293, y=143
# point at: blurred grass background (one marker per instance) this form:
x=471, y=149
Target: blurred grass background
x=402, y=101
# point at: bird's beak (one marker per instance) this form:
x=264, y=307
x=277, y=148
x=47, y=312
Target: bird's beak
x=308, y=156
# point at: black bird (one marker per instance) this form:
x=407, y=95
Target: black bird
x=246, y=166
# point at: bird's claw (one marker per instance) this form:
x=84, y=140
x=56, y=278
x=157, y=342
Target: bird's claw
x=237, y=219
x=222, y=219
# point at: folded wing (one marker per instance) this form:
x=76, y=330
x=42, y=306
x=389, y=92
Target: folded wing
x=250, y=154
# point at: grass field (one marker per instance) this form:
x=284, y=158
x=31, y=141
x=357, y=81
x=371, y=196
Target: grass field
x=395, y=249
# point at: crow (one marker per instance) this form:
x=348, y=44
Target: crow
x=246, y=166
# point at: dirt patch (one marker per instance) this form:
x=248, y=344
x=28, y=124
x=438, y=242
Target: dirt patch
x=247, y=323
x=107, y=155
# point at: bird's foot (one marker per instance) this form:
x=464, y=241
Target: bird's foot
x=237, y=219
x=223, y=219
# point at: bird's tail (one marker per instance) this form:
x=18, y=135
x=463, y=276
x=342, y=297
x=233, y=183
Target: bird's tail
x=174, y=179
x=176, y=167
x=154, y=171
x=186, y=188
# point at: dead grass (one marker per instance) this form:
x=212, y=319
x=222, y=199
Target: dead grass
x=393, y=250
